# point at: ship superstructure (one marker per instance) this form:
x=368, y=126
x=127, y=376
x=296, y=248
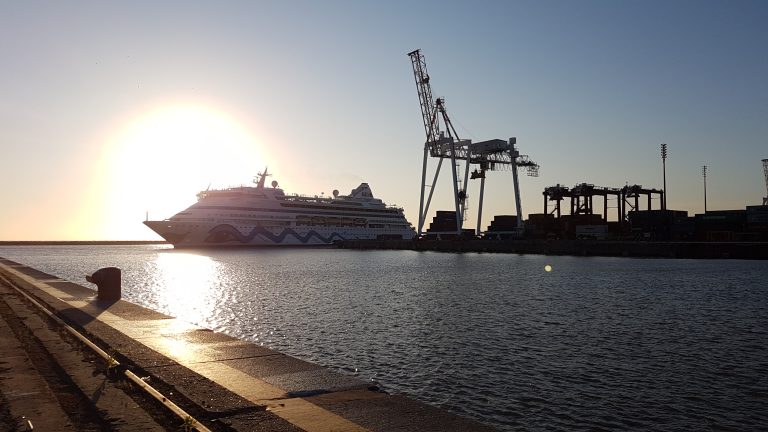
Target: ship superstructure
x=260, y=215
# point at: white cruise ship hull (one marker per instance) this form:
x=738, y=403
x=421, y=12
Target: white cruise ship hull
x=262, y=216
x=196, y=235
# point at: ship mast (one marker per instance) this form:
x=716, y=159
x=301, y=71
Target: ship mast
x=261, y=177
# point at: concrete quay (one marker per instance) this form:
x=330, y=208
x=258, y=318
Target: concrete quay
x=50, y=381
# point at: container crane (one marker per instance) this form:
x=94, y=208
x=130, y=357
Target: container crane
x=488, y=155
x=440, y=143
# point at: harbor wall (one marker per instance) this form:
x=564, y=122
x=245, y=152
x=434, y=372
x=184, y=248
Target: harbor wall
x=697, y=250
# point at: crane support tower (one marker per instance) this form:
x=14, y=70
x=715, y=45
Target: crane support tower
x=443, y=142
x=765, y=173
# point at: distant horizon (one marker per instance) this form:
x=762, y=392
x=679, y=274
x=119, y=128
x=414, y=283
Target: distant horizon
x=162, y=241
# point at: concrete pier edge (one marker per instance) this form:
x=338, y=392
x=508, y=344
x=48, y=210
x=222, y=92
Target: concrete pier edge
x=238, y=385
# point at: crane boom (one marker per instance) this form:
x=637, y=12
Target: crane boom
x=420, y=74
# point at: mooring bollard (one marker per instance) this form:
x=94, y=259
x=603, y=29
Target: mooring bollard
x=107, y=280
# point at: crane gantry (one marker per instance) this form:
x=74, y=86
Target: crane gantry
x=443, y=142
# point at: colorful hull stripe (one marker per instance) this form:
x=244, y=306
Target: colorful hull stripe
x=228, y=233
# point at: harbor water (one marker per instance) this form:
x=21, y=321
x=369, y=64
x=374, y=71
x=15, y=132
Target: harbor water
x=518, y=342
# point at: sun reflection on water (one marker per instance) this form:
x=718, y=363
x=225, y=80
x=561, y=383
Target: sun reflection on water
x=187, y=285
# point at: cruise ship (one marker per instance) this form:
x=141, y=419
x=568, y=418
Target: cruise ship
x=266, y=216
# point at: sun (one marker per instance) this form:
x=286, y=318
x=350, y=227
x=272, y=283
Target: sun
x=160, y=159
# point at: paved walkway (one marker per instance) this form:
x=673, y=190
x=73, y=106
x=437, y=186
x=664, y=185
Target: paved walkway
x=25, y=395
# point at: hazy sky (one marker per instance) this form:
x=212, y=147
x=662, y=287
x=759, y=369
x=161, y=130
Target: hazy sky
x=110, y=110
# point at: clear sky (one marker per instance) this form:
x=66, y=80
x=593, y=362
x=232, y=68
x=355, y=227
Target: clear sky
x=110, y=110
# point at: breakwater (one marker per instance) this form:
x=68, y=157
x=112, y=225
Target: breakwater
x=697, y=250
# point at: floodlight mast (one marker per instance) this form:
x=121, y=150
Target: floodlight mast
x=664, y=171
x=704, y=174
x=765, y=173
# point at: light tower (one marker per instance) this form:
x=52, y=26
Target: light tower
x=765, y=172
x=664, y=173
x=704, y=174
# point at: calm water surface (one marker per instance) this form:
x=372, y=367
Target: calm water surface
x=594, y=344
